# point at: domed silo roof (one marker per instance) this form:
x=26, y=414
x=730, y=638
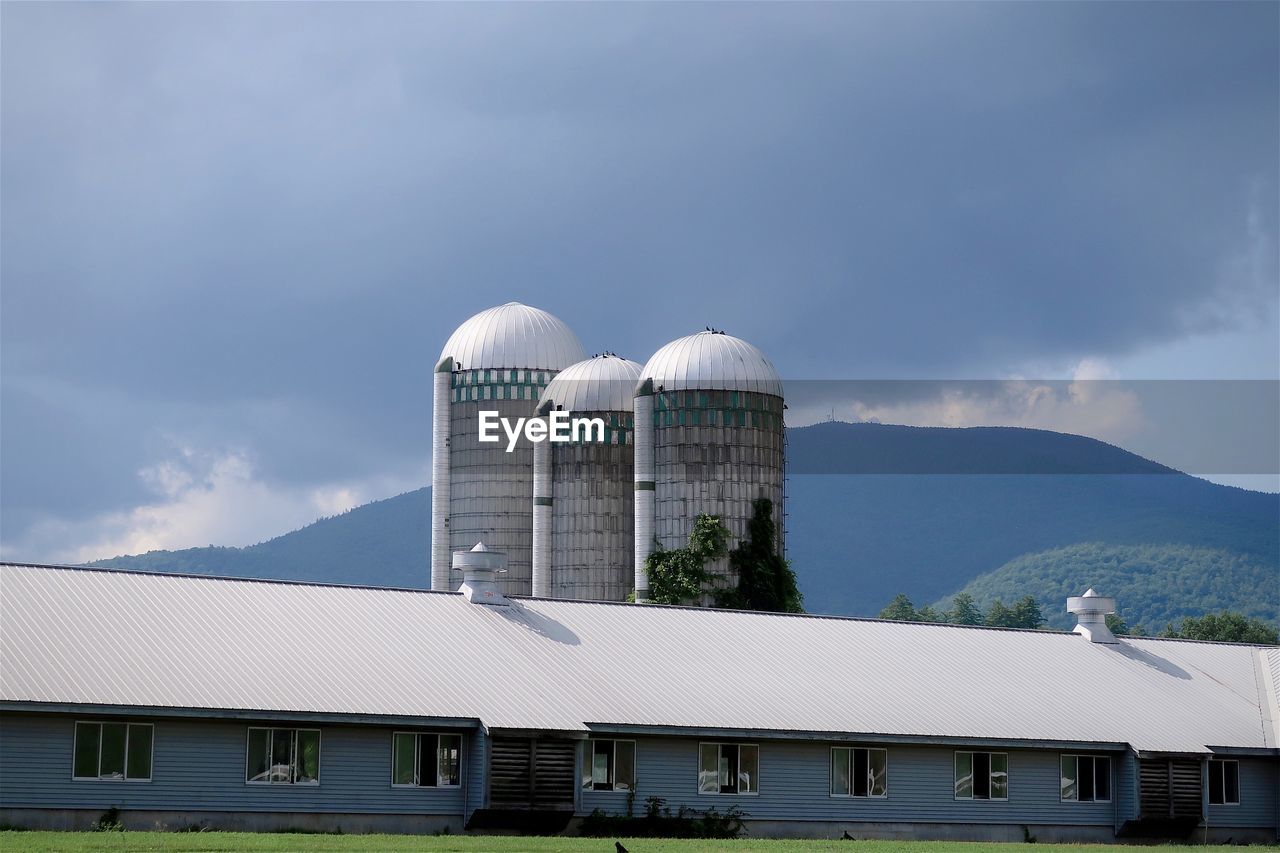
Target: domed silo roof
x=603, y=383
x=513, y=336
x=712, y=361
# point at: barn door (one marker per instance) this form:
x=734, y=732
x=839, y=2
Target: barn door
x=531, y=773
x=1169, y=788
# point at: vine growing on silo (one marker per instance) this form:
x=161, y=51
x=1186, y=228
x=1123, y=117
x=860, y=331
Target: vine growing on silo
x=679, y=575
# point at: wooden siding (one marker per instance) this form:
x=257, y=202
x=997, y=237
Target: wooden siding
x=794, y=784
x=1258, y=793
x=199, y=764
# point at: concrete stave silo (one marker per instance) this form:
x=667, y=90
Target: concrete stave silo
x=709, y=439
x=499, y=360
x=583, y=506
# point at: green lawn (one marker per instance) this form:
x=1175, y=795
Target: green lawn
x=75, y=842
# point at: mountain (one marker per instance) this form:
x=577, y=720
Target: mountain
x=1155, y=584
x=919, y=510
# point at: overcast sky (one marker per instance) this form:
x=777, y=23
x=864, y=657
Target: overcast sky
x=235, y=236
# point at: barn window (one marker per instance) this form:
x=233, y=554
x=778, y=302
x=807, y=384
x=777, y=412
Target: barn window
x=610, y=765
x=426, y=760
x=1224, y=783
x=858, y=772
x=112, y=751
x=728, y=768
x=1085, y=778
x=282, y=757
x=982, y=776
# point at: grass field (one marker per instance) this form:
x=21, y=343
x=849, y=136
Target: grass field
x=232, y=842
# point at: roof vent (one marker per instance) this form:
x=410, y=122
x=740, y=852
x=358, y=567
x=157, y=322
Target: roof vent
x=1091, y=612
x=480, y=568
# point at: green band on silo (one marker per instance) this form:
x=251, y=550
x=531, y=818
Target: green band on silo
x=644, y=486
x=542, y=501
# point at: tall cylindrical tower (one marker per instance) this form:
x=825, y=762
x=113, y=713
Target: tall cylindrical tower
x=499, y=361
x=585, y=501
x=713, y=407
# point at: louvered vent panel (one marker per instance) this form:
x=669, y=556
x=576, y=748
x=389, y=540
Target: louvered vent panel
x=509, y=773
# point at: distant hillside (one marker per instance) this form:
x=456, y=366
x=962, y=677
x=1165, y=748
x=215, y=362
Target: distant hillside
x=917, y=510
x=1154, y=584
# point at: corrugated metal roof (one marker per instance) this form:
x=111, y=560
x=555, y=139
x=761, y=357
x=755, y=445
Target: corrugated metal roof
x=513, y=336
x=712, y=361
x=117, y=638
x=603, y=383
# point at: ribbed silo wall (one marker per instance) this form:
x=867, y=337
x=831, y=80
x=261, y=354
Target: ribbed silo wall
x=490, y=488
x=592, y=513
x=716, y=452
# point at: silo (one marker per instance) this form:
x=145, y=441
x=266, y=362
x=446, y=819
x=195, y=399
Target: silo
x=709, y=439
x=583, y=489
x=499, y=360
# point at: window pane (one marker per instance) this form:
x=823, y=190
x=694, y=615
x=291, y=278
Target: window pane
x=859, y=773
x=624, y=765
x=1085, y=779
x=708, y=768
x=1231, y=781
x=1215, y=783
x=258, y=767
x=999, y=776
x=308, y=758
x=404, y=749
x=982, y=775
x=1067, y=777
x=748, y=769
x=964, y=775
x=281, y=755
x=111, y=765
x=728, y=768
x=428, y=749
x=450, y=763
x=879, y=766
x=588, y=751
x=85, y=764
x=139, y=759
x=601, y=764
x=1102, y=779
x=840, y=772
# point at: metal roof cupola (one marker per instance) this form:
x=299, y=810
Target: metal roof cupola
x=1091, y=612
x=480, y=568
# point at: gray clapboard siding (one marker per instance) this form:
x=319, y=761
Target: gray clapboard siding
x=794, y=785
x=1258, y=793
x=199, y=764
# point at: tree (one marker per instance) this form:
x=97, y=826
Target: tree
x=999, y=616
x=1225, y=627
x=678, y=575
x=765, y=579
x=928, y=614
x=900, y=609
x=1026, y=613
x=963, y=611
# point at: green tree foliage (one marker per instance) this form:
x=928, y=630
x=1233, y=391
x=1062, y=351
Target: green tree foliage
x=1225, y=627
x=1118, y=626
x=765, y=579
x=900, y=609
x=1154, y=584
x=963, y=611
x=679, y=575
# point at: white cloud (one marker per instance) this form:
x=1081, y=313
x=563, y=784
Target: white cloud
x=202, y=498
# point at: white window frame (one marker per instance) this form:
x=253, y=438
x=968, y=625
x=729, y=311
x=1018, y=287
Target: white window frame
x=955, y=767
x=293, y=757
x=1077, y=756
x=417, y=759
x=852, y=796
x=590, y=759
x=1209, y=785
x=720, y=745
x=151, y=760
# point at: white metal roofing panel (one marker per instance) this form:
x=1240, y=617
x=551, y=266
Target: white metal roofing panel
x=513, y=336
x=712, y=361
x=605, y=383
x=116, y=638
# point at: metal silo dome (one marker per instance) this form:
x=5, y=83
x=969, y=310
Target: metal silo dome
x=712, y=360
x=603, y=383
x=513, y=335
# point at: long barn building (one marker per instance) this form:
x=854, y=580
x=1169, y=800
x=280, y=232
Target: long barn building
x=196, y=701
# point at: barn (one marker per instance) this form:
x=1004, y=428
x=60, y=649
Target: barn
x=230, y=703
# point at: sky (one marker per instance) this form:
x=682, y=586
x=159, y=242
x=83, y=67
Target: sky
x=234, y=237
